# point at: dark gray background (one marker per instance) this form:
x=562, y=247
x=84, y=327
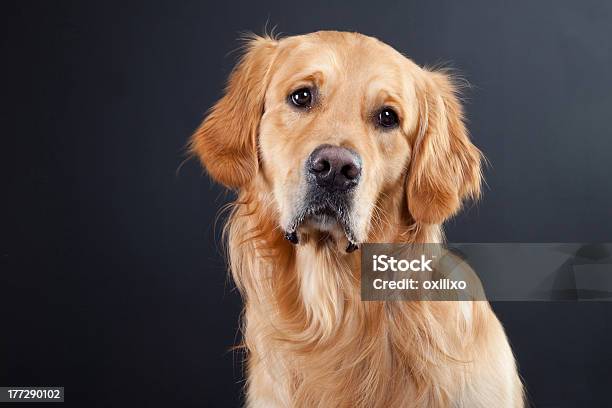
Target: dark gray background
x=112, y=284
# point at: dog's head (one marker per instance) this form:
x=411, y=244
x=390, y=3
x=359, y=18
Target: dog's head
x=330, y=123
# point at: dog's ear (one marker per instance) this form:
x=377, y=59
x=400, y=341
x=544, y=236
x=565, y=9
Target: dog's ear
x=446, y=167
x=226, y=142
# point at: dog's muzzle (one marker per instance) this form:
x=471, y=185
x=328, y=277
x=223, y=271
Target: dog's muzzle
x=332, y=174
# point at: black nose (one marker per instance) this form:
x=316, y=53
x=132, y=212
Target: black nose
x=335, y=168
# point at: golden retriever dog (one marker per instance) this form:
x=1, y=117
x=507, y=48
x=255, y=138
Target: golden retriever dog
x=331, y=140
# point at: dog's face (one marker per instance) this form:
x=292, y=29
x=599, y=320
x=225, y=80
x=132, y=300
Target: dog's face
x=335, y=131
x=329, y=124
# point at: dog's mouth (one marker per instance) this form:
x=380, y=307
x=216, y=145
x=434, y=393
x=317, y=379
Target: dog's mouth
x=330, y=217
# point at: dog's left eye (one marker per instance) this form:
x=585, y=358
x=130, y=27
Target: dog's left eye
x=387, y=118
x=302, y=98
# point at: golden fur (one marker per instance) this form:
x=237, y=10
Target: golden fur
x=310, y=340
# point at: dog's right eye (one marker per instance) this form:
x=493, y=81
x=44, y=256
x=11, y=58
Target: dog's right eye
x=302, y=98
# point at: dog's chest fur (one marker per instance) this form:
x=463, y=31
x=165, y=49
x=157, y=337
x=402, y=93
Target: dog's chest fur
x=314, y=343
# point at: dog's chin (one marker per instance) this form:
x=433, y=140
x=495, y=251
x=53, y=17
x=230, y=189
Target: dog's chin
x=324, y=223
x=323, y=226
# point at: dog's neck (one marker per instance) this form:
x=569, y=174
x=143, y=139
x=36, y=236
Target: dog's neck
x=303, y=307
x=307, y=288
